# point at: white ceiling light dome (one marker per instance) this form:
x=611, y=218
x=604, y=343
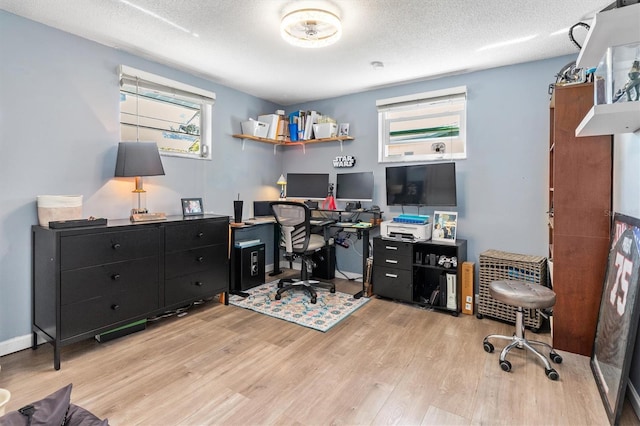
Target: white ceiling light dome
x=311, y=27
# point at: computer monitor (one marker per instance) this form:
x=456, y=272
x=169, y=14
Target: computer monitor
x=309, y=186
x=354, y=186
x=262, y=208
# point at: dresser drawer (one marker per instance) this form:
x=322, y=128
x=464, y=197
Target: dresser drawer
x=393, y=254
x=78, y=251
x=77, y=285
x=196, y=234
x=195, y=260
x=99, y=312
x=392, y=283
x=193, y=286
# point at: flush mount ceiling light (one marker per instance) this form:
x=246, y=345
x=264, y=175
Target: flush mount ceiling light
x=311, y=28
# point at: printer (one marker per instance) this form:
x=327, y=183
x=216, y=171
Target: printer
x=407, y=227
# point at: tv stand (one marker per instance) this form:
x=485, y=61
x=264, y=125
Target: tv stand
x=412, y=272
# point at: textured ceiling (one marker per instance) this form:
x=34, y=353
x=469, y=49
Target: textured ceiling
x=239, y=43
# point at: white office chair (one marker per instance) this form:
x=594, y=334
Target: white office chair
x=294, y=220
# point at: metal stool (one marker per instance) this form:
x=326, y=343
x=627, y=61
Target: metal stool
x=523, y=295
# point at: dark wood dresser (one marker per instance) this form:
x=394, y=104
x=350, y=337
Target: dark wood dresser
x=90, y=280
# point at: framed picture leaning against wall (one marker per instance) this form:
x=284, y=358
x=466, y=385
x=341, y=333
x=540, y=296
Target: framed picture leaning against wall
x=619, y=312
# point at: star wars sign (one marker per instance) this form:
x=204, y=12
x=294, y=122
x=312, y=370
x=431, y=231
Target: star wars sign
x=342, y=161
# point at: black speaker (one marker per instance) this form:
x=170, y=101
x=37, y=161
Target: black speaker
x=325, y=260
x=249, y=267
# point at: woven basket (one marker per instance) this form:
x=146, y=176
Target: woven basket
x=499, y=265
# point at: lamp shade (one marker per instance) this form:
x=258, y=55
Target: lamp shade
x=281, y=180
x=138, y=159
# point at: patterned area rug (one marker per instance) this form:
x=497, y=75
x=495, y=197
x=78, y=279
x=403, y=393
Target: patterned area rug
x=330, y=309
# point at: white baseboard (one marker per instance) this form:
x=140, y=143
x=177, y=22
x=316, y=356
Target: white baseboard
x=15, y=344
x=634, y=398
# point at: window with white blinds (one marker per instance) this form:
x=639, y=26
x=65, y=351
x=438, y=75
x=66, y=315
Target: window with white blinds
x=176, y=116
x=423, y=127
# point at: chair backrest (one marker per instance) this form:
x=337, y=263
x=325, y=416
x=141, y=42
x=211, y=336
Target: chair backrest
x=294, y=220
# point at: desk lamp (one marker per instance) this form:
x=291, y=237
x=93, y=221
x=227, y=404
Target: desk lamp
x=283, y=185
x=138, y=159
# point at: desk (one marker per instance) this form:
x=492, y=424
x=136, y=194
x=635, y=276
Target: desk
x=363, y=234
x=327, y=219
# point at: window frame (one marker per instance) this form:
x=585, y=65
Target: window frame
x=429, y=107
x=171, y=88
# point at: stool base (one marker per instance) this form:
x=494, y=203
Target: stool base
x=519, y=341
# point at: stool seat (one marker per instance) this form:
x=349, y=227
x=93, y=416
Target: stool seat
x=525, y=295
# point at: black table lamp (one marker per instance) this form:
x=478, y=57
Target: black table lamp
x=138, y=159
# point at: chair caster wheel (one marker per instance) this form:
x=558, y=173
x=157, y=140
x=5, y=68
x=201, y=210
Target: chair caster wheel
x=488, y=347
x=506, y=365
x=314, y=300
x=278, y=296
x=555, y=357
x=552, y=374
x=479, y=316
x=332, y=290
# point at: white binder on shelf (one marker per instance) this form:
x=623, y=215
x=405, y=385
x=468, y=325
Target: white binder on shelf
x=452, y=297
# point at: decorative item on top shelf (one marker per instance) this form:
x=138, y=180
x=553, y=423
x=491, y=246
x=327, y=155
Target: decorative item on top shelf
x=343, y=130
x=255, y=128
x=617, y=77
x=445, y=225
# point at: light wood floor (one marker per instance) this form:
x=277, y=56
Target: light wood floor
x=387, y=363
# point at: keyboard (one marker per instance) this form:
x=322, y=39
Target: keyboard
x=345, y=224
x=261, y=219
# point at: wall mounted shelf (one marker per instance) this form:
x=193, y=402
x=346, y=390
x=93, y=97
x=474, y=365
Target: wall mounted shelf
x=609, y=119
x=610, y=28
x=277, y=143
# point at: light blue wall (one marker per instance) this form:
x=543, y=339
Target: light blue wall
x=502, y=185
x=59, y=131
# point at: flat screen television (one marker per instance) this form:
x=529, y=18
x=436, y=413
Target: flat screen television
x=309, y=186
x=422, y=185
x=354, y=186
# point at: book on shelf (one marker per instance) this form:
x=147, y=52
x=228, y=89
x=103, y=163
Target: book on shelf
x=272, y=120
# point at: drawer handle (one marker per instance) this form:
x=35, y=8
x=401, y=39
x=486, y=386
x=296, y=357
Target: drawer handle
x=391, y=261
x=116, y=246
x=200, y=259
x=200, y=234
x=198, y=283
x=391, y=275
x=391, y=248
x=115, y=277
x=115, y=307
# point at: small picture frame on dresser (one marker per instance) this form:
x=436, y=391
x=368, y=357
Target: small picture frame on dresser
x=192, y=207
x=445, y=225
